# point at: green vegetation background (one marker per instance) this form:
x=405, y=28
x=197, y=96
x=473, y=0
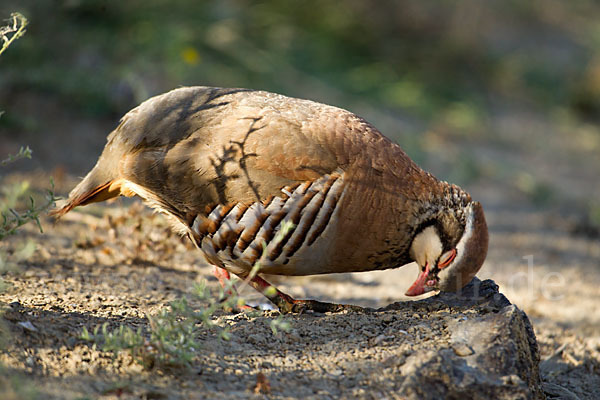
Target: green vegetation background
x=105, y=56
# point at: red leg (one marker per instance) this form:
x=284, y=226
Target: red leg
x=225, y=280
x=228, y=289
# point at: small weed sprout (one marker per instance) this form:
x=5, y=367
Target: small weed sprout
x=13, y=30
x=11, y=195
x=13, y=219
x=23, y=153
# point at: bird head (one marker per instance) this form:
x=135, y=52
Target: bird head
x=449, y=261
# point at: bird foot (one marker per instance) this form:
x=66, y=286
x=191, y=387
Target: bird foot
x=288, y=304
x=285, y=303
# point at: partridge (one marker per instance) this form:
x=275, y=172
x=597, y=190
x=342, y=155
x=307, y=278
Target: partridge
x=263, y=183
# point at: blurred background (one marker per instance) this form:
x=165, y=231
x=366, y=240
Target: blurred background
x=500, y=97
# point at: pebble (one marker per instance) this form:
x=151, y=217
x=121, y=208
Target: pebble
x=462, y=349
x=388, y=317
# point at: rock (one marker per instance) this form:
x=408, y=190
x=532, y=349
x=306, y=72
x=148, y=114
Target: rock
x=559, y=392
x=493, y=352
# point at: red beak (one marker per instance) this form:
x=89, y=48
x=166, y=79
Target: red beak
x=419, y=286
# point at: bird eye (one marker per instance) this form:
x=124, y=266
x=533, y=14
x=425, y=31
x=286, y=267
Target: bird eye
x=446, y=258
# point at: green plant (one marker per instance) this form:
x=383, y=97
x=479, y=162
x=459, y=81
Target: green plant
x=11, y=195
x=13, y=30
x=23, y=153
x=13, y=219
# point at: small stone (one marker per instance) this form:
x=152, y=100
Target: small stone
x=377, y=340
x=256, y=339
x=462, y=349
x=28, y=326
x=387, y=318
x=394, y=361
x=512, y=380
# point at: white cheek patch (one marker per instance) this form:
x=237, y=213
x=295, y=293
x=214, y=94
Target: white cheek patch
x=426, y=246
